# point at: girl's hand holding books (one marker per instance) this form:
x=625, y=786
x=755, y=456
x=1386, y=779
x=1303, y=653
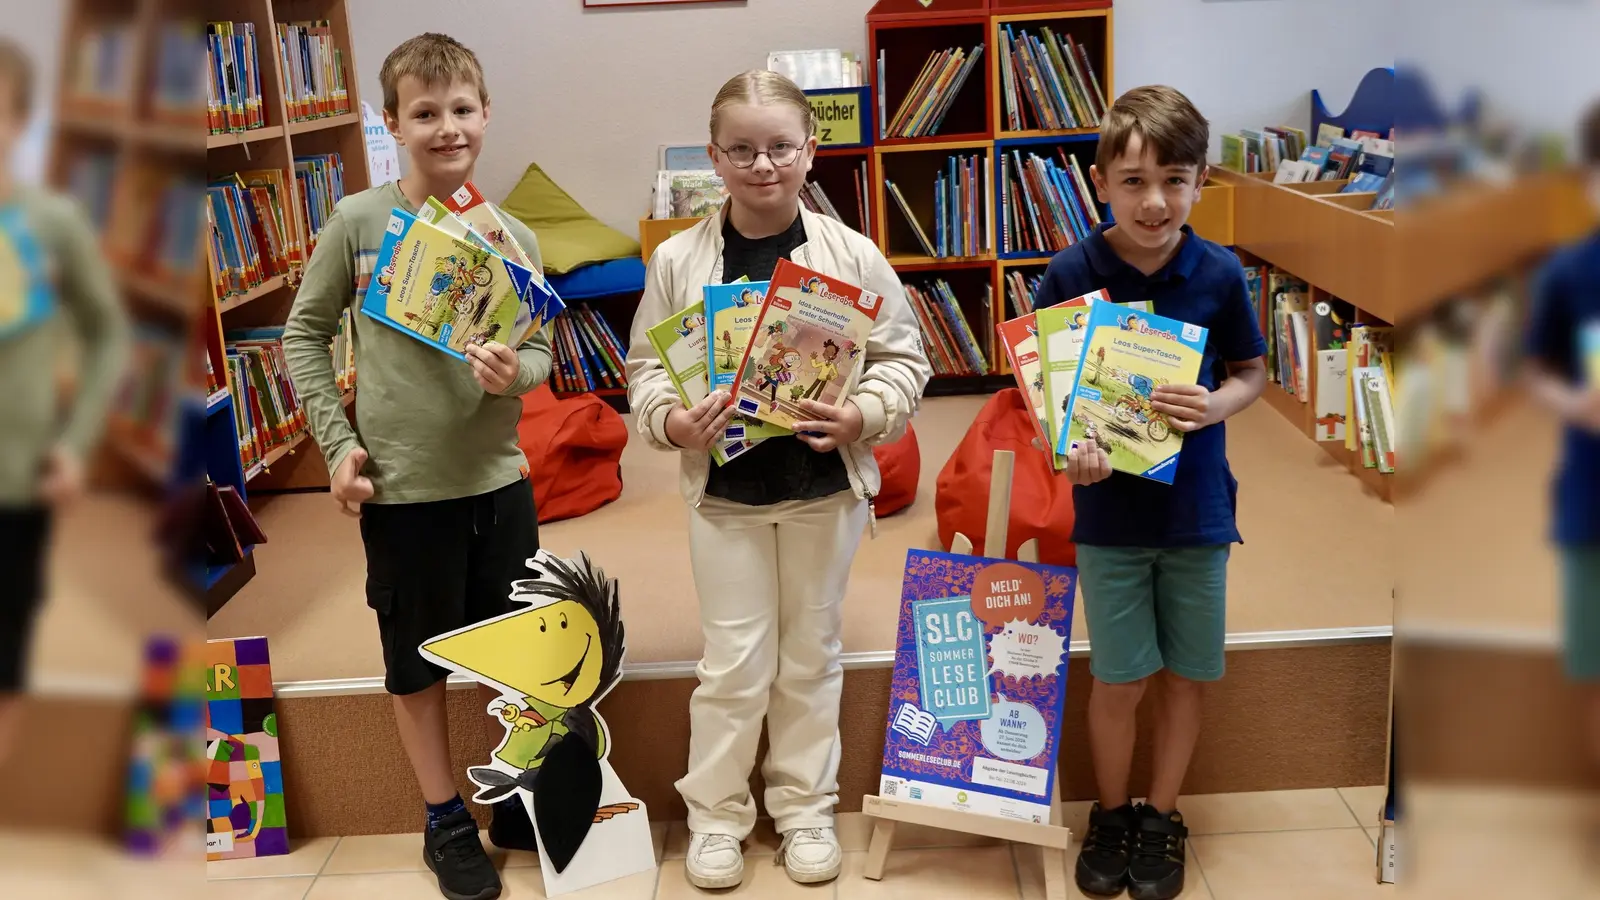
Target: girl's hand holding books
x=1087, y=463
x=1187, y=406
x=494, y=365
x=699, y=427
x=835, y=426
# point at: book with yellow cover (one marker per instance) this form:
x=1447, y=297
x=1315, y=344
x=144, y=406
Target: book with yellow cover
x=448, y=292
x=731, y=313
x=1060, y=333
x=680, y=342
x=808, y=342
x=1127, y=355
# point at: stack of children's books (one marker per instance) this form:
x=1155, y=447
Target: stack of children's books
x=770, y=345
x=1089, y=366
x=453, y=275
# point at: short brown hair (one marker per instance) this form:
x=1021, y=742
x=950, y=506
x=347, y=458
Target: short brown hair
x=1589, y=136
x=16, y=70
x=762, y=87
x=433, y=59
x=1165, y=121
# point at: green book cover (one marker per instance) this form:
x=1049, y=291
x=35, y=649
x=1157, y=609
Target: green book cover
x=680, y=341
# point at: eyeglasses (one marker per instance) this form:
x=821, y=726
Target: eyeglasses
x=744, y=156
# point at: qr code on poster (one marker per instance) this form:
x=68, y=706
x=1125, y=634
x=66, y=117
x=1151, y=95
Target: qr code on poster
x=891, y=788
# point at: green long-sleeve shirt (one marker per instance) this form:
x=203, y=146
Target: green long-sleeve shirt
x=430, y=431
x=88, y=307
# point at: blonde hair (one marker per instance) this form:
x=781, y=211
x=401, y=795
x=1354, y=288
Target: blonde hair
x=433, y=59
x=762, y=87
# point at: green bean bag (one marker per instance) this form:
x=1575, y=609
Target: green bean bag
x=568, y=235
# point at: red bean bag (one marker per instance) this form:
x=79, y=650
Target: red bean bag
x=900, y=463
x=1041, y=500
x=574, y=451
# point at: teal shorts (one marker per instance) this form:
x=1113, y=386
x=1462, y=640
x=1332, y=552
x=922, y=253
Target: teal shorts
x=1153, y=609
x=1580, y=611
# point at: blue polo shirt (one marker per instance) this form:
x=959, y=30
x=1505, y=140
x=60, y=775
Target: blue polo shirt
x=1566, y=300
x=1202, y=284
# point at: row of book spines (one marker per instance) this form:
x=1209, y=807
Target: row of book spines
x=314, y=70
x=586, y=351
x=953, y=348
x=152, y=381
x=267, y=410
x=961, y=202
x=321, y=180
x=249, y=245
x=816, y=199
x=1045, y=205
x=929, y=100
x=1020, y=292
x=233, y=89
x=1056, y=78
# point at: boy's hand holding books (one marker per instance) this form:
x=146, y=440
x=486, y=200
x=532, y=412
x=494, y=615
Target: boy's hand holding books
x=63, y=478
x=1187, y=406
x=834, y=426
x=699, y=427
x=494, y=365
x=349, y=485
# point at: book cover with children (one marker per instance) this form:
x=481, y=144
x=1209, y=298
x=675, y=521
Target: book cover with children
x=979, y=684
x=731, y=313
x=807, y=344
x=680, y=342
x=1061, y=331
x=1127, y=355
x=448, y=292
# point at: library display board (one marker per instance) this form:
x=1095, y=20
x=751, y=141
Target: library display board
x=977, y=131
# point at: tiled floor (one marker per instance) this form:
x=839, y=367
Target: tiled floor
x=1309, y=844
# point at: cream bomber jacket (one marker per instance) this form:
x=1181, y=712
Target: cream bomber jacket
x=888, y=388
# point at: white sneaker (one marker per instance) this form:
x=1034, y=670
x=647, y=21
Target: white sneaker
x=714, y=861
x=810, y=855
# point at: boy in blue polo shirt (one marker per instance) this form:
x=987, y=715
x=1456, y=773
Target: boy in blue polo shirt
x=1152, y=557
x=1563, y=344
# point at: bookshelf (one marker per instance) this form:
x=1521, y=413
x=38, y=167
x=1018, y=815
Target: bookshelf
x=130, y=118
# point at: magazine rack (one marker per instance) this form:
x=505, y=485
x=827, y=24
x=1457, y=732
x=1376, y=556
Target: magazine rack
x=1052, y=840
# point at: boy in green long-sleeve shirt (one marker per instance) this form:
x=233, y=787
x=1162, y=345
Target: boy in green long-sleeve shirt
x=56, y=284
x=446, y=507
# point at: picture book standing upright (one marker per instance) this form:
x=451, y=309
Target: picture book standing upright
x=244, y=778
x=1126, y=356
x=808, y=343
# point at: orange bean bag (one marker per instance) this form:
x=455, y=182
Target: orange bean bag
x=574, y=451
x=1041, y=500
x=900, y=463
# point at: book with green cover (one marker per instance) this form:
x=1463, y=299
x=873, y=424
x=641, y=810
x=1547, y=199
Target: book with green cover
x=731, y=313
x=680, y=341
x=1059, y=333
x=1127, y=354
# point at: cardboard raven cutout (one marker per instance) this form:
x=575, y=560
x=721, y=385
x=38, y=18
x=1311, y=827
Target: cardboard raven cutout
x=552, y=662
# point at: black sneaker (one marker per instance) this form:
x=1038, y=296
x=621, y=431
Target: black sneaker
x=454, y=854
x=511, y=829
x=1103, y=860
x=1156, y=872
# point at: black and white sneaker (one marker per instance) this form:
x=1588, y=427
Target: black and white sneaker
x=1103, y=859
x=1159, y=849
x=455, y=855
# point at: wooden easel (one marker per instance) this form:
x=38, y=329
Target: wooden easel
x=1052, y=840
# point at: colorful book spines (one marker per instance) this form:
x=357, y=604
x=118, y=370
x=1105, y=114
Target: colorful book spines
x=233, y=84
x=314, y=71
x=1046, y=206
x=1048, y=82
x=586, y=353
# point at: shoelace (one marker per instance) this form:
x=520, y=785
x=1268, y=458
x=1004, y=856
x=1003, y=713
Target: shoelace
x=1104, y=838
x=715, y=842
x=814, y=834
x=1154, y=846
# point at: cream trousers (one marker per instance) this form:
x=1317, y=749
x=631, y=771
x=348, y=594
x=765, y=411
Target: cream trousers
x=771, y=582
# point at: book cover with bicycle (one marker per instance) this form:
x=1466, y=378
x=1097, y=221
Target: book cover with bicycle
x=1127, y=354
x=448, y=292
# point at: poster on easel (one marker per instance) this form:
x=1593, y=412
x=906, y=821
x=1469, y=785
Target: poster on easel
x=980, y=678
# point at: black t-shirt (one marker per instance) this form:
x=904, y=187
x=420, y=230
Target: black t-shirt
x=778, y=468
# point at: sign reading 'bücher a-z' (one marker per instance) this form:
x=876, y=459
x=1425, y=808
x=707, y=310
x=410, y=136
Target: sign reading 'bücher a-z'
x=842, y=114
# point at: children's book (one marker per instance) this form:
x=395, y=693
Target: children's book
x=808, y=343
x=25, y=295
x=680, y=341
x=1589, y=338
x=448, y=292
x=484, y=219
x=1061, y=330
x=482, y=225
x=244, y=781
x=1126, y=356
x=731, y=312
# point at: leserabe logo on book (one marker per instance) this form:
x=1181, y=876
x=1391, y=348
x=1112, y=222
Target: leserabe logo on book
x=815, y=285
x=1133, y=323
x=689, y=323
